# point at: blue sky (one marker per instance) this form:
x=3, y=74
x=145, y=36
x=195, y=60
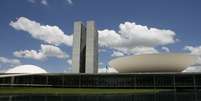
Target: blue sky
x=181, y=17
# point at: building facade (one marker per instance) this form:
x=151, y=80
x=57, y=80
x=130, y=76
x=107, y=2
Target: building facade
x=79, y=48
x=85, y=48
x=134, y=80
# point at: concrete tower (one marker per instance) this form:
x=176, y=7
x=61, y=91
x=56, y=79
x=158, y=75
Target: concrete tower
x=91, y=48
x=79, y=48
x=85, y=48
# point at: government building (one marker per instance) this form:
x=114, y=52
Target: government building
x=148, y=71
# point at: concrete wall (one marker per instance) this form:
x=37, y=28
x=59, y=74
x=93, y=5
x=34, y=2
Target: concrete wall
x=91, y=48
x=85, y=48
x=79, y=47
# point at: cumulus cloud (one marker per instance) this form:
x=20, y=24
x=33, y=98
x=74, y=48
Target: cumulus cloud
x=130, y=39
x=131, y=35
x=49, y=34
x=108, y=70
x=193, y=69
x=69, y=2
x=117, y=54
x=43, y=53
x=136, y=51
x=69, y=61
x=109, y=38
x=69, y=68
x=6, y=63
x=195, y=51
x=4, y=60
x=140, y=50
x=166, y=49
x=43, y=2
x=135, y=39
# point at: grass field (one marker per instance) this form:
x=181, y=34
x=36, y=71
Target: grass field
x=29, y=90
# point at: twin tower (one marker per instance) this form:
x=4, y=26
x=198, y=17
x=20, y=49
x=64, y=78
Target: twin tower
x=85, y=48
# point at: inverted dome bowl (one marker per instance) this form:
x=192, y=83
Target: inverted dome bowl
x=169, y=62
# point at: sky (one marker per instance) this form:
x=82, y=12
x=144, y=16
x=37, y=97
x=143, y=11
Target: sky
x=39, y=32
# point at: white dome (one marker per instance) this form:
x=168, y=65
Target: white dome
x=29, y=69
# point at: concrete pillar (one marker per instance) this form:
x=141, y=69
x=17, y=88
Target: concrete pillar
x=91, y=48
x=79, y=47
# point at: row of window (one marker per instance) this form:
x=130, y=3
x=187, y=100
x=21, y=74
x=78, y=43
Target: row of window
x=107, y=80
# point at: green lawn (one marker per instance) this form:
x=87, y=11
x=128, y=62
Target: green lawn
x=29, y=90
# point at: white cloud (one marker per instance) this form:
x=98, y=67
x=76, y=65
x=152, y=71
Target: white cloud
x=117, y=54
x=69, y=2
x=135, y=39
x=69, y=68
x=6, y=63
x=69, y=61
x=44, y=2
x=109, y=38
x=130, y=39
x=29, y=54
x=193, y=69
x=49, y=34
x=194, y=51
x=137, y=50
x=166, y=49
x=132, y=35
x=142, y=50
x=109, y=70
x=4, y=60
x=43, y=53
